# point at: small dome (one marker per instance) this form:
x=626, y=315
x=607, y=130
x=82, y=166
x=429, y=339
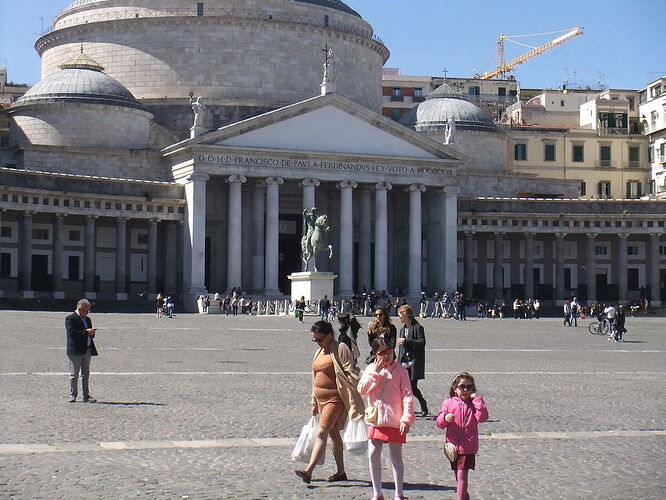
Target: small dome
x=79, y=80
x=442, y=103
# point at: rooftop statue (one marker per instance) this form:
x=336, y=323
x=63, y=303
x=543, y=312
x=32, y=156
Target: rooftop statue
x=450, y=130
x=199, y=111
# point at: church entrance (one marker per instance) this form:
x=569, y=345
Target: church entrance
x=290, y=249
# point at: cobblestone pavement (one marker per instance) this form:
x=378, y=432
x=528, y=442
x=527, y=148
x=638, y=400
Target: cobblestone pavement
x=210, y=406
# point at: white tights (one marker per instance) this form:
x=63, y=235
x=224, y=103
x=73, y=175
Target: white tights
x=375, y=458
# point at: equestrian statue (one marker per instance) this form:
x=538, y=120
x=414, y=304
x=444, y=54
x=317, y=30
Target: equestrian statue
x=315, y=238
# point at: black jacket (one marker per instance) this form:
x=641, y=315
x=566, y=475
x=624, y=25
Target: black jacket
x=415, y=343
x=77, y=338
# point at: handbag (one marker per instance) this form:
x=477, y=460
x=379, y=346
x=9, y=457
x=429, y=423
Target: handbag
x=371, y=413
x=451, y=452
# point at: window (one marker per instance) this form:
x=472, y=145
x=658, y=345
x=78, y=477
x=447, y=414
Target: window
x=633, y=190
x=474, y=90
x=650, y=154
x=395, y=113
x=200, y=8
x=5, y=265
x=662, y=250
x=520, y=151
x=632, y=250
x=601, y=250
x=501, y=91
x=40, y=234
x=4, y=141
x=604, y=156
x=549, y=152
x=75, y=236
x=142, y=238
x=396, y=94
x=6, y=232
x=418, y=94
x=631, y=103
x=577, y=153
x=604, y=190
x=583, y=188
x=634, y=156
x=562, y=103
x=653, y=118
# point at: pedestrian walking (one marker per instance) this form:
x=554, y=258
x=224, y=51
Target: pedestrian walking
x=620, y=318
x=566, y=312
x=80, y=349
x=334, y=398
x=349, y=327
x=381, y=326
x=411, y=352
x=387, y=386
x=300, y=308
x=460, y=415
x=609, y=311
x=159, y=305
x=324, y=307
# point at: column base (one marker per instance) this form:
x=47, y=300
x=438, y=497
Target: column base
x=58, y=295
x=90, y=295
x=28, y=294
x=121, y=296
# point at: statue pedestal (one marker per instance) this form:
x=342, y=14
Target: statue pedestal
x=312, y=286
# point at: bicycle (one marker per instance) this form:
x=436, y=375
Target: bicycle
x=598, y=327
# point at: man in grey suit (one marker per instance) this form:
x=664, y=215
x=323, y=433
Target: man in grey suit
x=80, y=349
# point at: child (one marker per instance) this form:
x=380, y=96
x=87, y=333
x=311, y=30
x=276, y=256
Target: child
x=460, y=414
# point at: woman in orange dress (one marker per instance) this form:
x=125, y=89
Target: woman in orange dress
x=334, y=398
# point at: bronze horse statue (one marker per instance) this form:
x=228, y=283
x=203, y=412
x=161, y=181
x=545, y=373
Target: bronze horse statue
x=315, y=241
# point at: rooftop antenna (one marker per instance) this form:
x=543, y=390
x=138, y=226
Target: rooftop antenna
x=41, y=19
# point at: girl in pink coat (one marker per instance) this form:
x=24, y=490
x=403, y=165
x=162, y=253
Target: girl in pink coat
x=460, y=415
x=387, y=385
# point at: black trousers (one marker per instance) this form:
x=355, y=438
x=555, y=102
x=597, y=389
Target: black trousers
x=417, y=394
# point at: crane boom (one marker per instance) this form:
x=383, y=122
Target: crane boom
x=535, y=52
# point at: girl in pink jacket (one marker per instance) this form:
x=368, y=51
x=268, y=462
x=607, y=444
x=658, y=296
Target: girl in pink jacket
x=387, y=385
x=460, y=414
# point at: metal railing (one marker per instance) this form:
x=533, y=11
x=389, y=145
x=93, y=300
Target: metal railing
x=605, y=164
x=232, y=13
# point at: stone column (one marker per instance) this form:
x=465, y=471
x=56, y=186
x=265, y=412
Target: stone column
x=559, y=267
x=309, y=186
x=381, y=235
x=498, y=270
x=235, y=218
x=622, y=267
x=57, y=256
x=121, y=258
x=365, y=241
x=272, y=257
x=529, y=265
x=258, y=235
x=468, y=263
x=26, y=253
x=654, y=272
x=151, y=278
x=89, y=257
x=194, y=239
x=171, y=258
x=415, y=260
x=591, y=260
x=346, y=252
x=448, y=223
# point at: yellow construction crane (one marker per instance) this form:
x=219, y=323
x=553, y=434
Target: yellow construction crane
x=504, y=67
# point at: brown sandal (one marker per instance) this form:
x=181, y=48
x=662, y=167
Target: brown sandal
x=304, y=476
x=342, y=476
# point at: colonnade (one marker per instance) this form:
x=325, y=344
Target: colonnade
x=265, y=197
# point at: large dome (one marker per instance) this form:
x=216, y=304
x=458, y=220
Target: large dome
x=442, y=103
x=80, y=80
x=332, y=4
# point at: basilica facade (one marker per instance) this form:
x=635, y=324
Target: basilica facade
x=113, y=188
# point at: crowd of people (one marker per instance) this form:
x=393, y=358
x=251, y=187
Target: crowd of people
x=390, y=384
x=233, y=303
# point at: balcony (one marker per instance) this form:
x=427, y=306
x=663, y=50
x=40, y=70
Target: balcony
x=418, y=98
x=397, y=98
x=634, y=163
x=605, y=164
x=613, y=131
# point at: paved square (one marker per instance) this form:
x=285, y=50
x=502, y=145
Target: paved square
x=209, y=407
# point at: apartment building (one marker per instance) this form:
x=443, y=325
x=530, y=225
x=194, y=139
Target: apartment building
x=652, y=110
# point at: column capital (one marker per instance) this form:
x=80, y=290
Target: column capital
x=560, y=235
x=198, y=176
x=448, y=190
x=655, y=234
x=274, y=181
x=529, y=234
x=123, y=219
x=383, y=186
x=591, y=235
x=499, y=234
x=154, y=220
x=92, y=217
x=310, y=182
x=28, y=213
x=415, y=187
x=623, y=236
x=346, y=185
x=469, y=232
x=240, y=179
x=59, y=217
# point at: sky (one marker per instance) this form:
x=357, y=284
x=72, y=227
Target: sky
x=622, y=46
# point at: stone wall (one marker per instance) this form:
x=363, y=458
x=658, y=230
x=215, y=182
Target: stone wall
x=81, y=125
x=261, y=57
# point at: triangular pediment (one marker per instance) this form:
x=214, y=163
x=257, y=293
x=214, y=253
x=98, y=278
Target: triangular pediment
x=330, y=124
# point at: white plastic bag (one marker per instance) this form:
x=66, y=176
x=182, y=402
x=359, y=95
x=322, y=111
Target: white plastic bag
x=305, y=443
x=356, y=436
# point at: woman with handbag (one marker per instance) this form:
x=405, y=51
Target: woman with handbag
x=411, y=351
x=334, y=398
x=390, y=414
